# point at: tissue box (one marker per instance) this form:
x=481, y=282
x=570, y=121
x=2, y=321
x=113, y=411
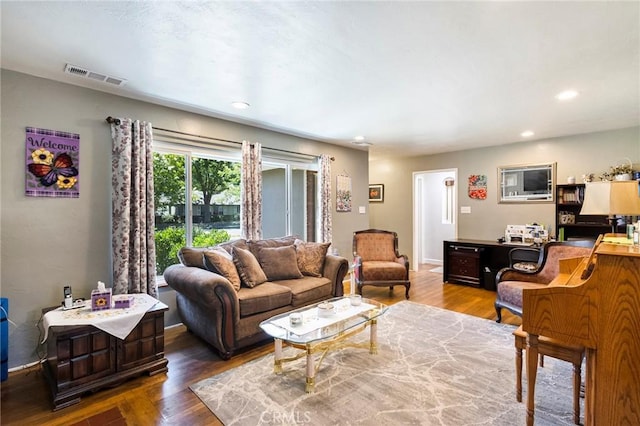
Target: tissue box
x=123, y=302
x=100, y=300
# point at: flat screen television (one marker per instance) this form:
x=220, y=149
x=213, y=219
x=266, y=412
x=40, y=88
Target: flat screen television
x=535, y=180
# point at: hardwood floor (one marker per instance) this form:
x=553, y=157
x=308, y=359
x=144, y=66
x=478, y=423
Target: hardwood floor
x=167, y=399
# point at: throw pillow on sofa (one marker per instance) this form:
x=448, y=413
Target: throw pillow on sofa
x=218, y=260
x=229, y=245
x=251, y=274
x=256, y=245
x=190, y=256
x=279, y=263
x=310, y=257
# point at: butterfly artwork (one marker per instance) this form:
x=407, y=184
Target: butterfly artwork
x=48, y=173
x=52, y=163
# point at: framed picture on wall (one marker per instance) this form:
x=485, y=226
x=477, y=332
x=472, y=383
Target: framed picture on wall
x=376, y=193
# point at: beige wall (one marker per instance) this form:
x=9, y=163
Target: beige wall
x=47, y=243
x=575, y=155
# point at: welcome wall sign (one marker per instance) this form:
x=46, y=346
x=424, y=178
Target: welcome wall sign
x=52, y=161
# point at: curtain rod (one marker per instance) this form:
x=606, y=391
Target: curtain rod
x=116, y=121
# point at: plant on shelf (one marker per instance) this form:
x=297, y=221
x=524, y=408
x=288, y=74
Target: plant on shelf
x=619, y=172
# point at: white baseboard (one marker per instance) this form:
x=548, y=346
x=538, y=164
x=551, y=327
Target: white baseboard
x=25, y=366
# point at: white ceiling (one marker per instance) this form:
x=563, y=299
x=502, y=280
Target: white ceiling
x=412, y=77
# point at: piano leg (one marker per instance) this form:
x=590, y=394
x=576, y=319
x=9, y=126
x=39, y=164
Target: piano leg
x=577, y=380
x=590, y=389
x=532, y=371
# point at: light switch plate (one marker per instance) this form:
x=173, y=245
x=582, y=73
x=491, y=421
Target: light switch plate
x=362, y=209
x=465, y=209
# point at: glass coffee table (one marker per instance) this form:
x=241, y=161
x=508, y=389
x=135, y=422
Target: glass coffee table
x=322, y=327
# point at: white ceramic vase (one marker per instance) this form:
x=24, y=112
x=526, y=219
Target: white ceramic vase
x=623, y=176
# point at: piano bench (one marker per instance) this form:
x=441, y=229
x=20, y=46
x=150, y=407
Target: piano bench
x=554, y=349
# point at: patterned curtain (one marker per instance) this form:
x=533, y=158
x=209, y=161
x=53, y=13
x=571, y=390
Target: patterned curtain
x=251, y=191
x=132, y=216
x=325, y=198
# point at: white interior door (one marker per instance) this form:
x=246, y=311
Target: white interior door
x=435, y=218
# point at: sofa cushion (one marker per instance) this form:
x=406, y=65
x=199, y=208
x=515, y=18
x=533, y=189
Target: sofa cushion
x=279, y=263
x=263, y=298
x=218, y=260
x=310, y=257
x=251, y=274
x=377, y=270
x=307, y=289
x=256, y=245
x=192, y=256
x=511, y=291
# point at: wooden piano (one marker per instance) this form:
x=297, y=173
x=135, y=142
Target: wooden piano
x=602, y=313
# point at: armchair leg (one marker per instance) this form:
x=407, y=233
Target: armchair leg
x=499, y=312
x=406, y=293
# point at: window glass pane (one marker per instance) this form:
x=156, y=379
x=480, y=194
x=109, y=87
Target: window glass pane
x=169, y=198
x=274, y=201
x=298, y=203
x=215, y=197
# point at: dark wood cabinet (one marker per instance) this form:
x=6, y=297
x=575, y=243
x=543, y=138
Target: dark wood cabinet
x=464, y=265
x=83, y=358
x=475, y=262
x=570, y=225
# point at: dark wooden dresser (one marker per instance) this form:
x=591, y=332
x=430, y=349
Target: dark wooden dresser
x=84, y=358
x=475, y=262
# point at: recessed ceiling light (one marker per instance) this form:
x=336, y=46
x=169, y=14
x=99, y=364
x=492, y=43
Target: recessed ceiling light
x=527, y=134
x=359, y=138
x=240, y=105
x=566, y=95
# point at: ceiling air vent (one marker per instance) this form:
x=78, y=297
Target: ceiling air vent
x=92, y=75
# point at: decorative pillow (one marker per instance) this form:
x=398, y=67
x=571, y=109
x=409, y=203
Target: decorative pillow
x=256, y=245
x=192, y=257
x=218, y=260
x=229, y=245
x=311, y=257
x=279, y=263
x=251, y=274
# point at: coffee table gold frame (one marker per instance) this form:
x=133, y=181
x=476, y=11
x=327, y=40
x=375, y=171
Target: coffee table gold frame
x=338, y=341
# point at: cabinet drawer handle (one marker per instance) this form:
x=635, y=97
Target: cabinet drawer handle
x=465, y=248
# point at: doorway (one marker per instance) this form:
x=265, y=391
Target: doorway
x=435, y=200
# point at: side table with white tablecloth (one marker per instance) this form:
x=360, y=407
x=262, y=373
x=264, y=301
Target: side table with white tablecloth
x=88, y=350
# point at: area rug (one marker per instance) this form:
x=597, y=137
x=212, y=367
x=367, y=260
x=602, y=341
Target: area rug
x=433, y=367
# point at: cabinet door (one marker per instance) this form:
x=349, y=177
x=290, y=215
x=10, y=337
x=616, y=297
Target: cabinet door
x=464, y=265
x=145, y=343
x=81, y=356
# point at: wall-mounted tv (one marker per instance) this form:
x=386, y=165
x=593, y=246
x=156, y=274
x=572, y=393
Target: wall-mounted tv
x=536, y=180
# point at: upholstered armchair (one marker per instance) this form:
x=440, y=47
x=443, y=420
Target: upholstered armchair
x=511, y=281
x=379, y=263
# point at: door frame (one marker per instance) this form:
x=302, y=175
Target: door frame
x=418, y=226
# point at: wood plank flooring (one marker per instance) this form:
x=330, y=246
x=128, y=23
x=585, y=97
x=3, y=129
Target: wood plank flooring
x=167, y=399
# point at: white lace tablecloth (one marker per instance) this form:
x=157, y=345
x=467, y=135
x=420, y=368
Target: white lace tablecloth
x=117, y=322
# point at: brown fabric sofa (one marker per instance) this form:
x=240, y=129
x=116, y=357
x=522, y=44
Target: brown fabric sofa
x=224, y=292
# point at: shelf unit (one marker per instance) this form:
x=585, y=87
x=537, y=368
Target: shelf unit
x=570, y=225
